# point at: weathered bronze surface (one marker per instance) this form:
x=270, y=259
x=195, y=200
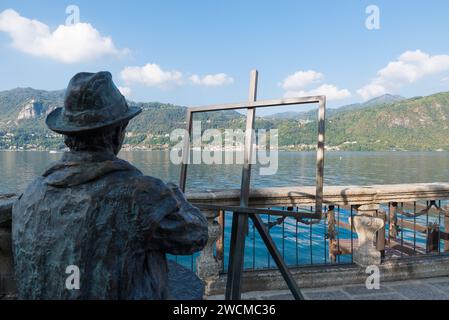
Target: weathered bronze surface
x=98, y=212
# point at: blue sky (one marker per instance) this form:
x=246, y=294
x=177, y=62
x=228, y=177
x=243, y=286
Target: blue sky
x=200, y=52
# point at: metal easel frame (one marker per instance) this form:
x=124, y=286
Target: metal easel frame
x=243, y=212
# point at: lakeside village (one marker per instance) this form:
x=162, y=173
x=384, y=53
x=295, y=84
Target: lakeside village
x=9, y=142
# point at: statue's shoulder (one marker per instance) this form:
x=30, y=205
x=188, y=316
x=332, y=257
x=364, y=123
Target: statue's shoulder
x=151, y=194
x=143, y=182
x=31, y=194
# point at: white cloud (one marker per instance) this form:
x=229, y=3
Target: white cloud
x=126, y=91
x=67, y=43
x=218, y=79
x=301, y=79
x=151, y=75
x=298, y=85
x=330, y=91
x=410, y=67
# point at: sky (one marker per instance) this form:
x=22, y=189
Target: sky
x=194, y=53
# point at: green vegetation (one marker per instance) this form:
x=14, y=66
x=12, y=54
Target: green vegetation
x=385, y=123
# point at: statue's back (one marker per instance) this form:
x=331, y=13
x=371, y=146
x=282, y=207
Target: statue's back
x=98, y=226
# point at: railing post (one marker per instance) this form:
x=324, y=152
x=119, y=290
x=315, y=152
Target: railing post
x=433, y=238
x=219, y=246
x=208, y=266
x=366, y=225
x=380, y=235
x=393, y=220
x=332, y=234
x=446, y=230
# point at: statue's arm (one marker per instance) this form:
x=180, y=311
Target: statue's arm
x=176, y=227
x=184, y=230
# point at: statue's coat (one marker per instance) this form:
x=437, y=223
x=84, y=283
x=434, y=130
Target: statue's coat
x=104, y=216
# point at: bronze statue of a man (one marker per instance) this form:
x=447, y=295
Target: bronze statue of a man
x=96, y=213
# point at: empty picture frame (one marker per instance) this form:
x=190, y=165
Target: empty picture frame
x=252, y=105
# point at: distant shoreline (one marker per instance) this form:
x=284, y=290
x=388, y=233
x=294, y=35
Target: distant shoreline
x=52, y=151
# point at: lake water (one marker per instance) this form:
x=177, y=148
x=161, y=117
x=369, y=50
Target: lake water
x=301, y=244
x=17, y=169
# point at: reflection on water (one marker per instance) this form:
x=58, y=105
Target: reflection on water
x=17, y=169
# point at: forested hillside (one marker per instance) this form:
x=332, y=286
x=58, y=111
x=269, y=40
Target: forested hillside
x=385, y=123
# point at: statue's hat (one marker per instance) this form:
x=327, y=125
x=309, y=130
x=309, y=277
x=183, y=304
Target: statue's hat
x=91, y=102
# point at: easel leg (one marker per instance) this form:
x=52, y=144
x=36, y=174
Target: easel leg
x=236, y=256
x=271, y=246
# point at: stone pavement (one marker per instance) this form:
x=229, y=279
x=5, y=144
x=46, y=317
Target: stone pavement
x=425, y=289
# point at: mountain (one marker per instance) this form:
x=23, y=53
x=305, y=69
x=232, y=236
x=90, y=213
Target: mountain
x=384, y=99
x=384, y=123
x=157, y=120
x=381, y=100
x=411, y=124
x=31, y=110
x=311, y=115
x=13, y=101
x=23, y=112
x=297, y=115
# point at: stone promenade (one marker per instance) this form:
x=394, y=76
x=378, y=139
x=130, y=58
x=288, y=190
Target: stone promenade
x=425, y=289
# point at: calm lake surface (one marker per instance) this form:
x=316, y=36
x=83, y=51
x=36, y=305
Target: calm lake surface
x=17, y=169
x=301, y=244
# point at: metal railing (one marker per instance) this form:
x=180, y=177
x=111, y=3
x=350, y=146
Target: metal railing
x=416, y=228
x=410, y=229
x=301, y=241
x=415, y=223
